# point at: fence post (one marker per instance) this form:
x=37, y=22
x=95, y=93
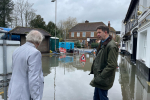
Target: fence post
x=5, y=69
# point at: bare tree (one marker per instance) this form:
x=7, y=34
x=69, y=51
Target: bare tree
x=15, y=17
x=61, y=29
x=20, y=8
x=29, y=13
x=23, y=13
x=67, y=25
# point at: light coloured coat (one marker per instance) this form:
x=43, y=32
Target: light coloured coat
x=27, y=76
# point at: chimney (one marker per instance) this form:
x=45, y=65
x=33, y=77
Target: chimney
x=86, y=21
x=109, y=24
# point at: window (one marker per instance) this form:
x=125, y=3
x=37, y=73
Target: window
x=144, y=46
x=72, y=34
x=92, y=34
x=83, y=34
x=123, y=45
x=144, y=4
x=78, y=34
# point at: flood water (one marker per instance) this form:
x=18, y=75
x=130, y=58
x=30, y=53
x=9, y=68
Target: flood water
x=66, y=78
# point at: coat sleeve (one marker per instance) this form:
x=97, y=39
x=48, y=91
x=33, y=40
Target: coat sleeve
x=111, y=63
x=35, y=76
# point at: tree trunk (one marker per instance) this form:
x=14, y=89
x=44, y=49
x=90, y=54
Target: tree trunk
x=22, y=20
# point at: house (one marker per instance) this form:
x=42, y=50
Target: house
x=143, y=48
x=22, y=31
x=122, y=33
x=112, y=31
x=137, y=33
x=86, y=32
x=130, y=33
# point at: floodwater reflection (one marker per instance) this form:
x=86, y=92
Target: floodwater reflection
x=69, y=80
x=133, y=84
x=66, y=78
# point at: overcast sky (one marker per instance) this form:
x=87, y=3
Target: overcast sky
x=91, y=10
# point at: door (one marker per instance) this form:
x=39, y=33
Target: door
x=134, y=45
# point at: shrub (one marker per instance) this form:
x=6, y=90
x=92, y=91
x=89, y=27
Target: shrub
x=61, y=40
x=76, y=43
x=83, y=46
x=94, y=45
x=78, y=46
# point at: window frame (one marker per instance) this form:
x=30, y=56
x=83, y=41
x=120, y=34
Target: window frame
x=92, y=34
x=144, y=46
x=72, y=34
x=78, y=34
x=83, y=34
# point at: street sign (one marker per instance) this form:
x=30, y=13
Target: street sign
x=83, y=58
x=62, y=50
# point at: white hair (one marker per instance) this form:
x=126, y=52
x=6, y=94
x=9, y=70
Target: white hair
x=34, y=36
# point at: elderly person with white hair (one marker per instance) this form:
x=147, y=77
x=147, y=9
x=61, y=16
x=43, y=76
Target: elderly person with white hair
x=27, y=77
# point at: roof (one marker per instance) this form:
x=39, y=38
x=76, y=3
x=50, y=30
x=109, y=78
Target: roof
x=54, y=38
x=111, y=29
x=24, y=30
x=86, y=26
x=130, y=9
x=5, y=29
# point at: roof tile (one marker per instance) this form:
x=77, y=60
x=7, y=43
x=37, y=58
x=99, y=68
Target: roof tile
x=86, y=26
x=25, y=30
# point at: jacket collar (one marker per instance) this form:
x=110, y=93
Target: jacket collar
x=108, y=40
x=31, y=44
x=104, y=43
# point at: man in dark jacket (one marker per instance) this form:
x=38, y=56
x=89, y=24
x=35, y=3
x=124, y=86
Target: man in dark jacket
x=104, y=65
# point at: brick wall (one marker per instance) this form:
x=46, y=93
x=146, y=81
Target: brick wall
x=88, y=35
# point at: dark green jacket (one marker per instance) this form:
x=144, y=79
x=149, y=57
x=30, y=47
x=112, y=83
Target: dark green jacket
x=104, y=65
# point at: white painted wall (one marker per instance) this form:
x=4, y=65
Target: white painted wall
x=145, y=4
x=10, y=50
x=131, y=45
x=122, y=34
x=142, y=30
x=140, y=44
x=128, y=46
x=148, y=3
x=148, y=48
x=122, y=28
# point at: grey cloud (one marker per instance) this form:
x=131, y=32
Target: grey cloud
x=92, y=10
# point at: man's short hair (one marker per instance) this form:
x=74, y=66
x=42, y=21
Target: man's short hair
x=103, y=28
x=34, y=36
